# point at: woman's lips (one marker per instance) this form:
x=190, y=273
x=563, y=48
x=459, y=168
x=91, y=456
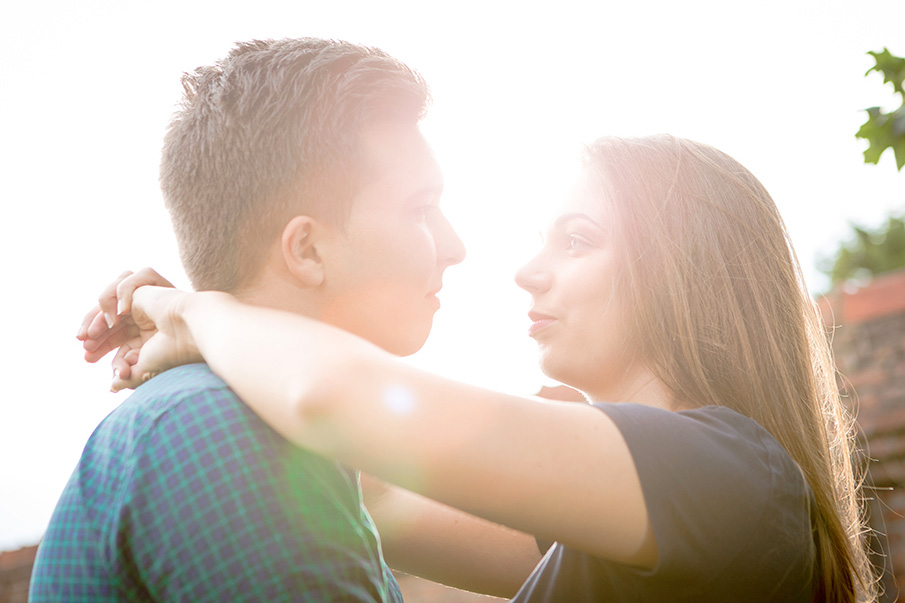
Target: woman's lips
x=539, y=322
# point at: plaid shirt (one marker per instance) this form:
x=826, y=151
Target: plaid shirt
x=184, y=494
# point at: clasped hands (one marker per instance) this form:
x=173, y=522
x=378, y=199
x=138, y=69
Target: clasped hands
x=140, y=315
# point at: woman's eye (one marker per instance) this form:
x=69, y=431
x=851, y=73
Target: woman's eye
x=578, y=242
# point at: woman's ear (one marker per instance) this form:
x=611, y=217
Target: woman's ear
x=299, y=245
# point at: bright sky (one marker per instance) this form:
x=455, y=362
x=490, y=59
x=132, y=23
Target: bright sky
x=88, y=87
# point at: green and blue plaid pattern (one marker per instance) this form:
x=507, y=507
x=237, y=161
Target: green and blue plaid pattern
x=183, y=494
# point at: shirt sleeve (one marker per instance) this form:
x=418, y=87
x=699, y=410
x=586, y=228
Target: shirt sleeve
x=221, y=508
x=720, y=492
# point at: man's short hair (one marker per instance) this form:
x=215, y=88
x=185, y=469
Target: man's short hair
x=270, y=132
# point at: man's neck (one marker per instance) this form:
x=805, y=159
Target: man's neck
x=279, y=296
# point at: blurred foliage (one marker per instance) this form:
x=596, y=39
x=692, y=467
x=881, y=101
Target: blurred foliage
x=869, y=252
x=872, y=252
x=886, y=130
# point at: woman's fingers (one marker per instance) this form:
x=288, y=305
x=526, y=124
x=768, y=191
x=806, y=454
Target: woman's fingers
x=107, y=300
x=93, y=315
x=141, y=352
x=107, y=326
x=127, y=286
x=95, y=349
x=116, y=300
x=142, y=358
x=99, y=332
x=123, y=375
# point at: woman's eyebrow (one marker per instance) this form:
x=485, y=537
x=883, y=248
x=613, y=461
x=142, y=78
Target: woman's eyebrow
x=558, y=223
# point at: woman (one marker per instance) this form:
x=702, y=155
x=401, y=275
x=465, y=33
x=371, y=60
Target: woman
x=715, y=462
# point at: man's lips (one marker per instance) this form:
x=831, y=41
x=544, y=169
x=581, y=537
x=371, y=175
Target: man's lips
x=539, y=321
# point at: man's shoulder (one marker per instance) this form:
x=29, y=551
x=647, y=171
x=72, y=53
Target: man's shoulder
x=187, y=421
x=173, y=391
x=188, y=396
x=190, y=411
x=178, y=383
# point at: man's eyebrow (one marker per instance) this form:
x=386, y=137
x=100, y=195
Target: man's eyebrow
x=561, y=220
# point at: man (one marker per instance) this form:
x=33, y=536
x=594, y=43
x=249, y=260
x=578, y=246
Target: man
x=297, y=179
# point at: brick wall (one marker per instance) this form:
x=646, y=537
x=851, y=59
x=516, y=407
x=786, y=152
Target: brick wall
x=15, y=571
x=869, y=346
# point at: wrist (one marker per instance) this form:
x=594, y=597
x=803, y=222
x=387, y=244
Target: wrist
x=201, y=318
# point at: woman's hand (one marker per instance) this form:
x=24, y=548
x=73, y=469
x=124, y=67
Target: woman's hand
x=162, y=339
x=112, y=325
x=108, y=325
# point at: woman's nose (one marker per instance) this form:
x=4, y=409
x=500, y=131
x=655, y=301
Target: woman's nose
x=532, y=278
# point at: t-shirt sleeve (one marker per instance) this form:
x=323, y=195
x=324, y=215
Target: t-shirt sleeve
x=220, y=508
x=716, y=485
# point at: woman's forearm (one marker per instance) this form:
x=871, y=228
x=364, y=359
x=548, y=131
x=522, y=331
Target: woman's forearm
x=281, y=364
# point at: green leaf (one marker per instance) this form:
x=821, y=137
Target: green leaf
x=869, y=252
x=892, y=68
x=875, y=251
x=884, y=131
x=899, y=151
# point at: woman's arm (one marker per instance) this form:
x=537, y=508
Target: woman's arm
x=425, y=538
x=558, y=470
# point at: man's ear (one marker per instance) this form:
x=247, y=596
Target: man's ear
x=299, y=245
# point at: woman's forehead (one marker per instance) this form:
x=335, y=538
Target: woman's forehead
x=584, y=196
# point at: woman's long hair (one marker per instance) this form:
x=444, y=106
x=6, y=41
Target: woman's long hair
x=723, y=317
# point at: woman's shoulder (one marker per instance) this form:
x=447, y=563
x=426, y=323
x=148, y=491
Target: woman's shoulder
x=715, y=415
x=712, y=428
x=721, y=491
x=733, y=448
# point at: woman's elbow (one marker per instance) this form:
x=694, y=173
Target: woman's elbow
x=318, y=401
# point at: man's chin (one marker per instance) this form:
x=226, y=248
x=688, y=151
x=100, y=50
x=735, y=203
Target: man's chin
x=406, y=346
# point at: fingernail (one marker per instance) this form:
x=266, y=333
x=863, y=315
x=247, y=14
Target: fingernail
x=116, y=373
x=110, y=319
x=119, y=306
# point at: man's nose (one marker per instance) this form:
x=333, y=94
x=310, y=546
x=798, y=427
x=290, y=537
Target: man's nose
x=450, y=249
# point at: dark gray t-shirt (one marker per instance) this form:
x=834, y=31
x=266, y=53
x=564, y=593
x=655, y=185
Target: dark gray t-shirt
x=730, y=510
